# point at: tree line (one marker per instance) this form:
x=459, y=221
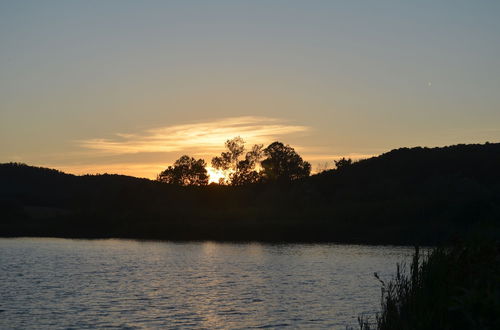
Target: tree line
x=405, y=196
x=275, y=163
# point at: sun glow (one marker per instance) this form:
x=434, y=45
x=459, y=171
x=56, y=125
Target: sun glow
x=216, y=175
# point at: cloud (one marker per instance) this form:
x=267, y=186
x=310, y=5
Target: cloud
x=146, y=153
x=208, y=136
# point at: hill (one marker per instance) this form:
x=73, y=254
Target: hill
x=405, y=196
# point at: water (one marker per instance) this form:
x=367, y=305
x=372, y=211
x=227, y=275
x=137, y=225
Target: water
x=60, y=283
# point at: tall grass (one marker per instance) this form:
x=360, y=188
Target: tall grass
x=449, y=288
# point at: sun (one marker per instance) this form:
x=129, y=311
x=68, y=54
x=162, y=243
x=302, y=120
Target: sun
x=215, y=175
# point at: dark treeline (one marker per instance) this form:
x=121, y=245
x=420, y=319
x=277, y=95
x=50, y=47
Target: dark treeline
x=405, y=196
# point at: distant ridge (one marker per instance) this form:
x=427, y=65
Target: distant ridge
x=404, y=196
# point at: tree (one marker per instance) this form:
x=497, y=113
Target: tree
x=283, y=163
x=244, y=174
x=186, y=171
x=229, y=159
x=239, y=172
x=343, y=163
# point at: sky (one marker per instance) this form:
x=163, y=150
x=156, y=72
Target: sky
x=128, y=87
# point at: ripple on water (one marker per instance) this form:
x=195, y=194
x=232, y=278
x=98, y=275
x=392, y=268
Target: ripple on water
x=58, y=283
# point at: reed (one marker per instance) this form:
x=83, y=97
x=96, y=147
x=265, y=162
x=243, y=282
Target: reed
x=448, y=288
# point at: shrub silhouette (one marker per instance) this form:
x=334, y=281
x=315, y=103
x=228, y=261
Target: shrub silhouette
x=343, y=163
x=283, y=163
x=455, y=287
x=186, y=171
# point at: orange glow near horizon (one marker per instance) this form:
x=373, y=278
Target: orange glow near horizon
x=215, y=175
x=147, y=152
x=150, y=170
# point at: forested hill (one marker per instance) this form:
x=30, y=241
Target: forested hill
x=405, y=196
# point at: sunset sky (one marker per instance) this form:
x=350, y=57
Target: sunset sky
x=129, y=86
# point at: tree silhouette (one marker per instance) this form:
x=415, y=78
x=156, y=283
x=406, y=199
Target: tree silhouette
x=228, y=160
x=343, y=162
x=186, y=171
x=241, y=171
x=283, y=163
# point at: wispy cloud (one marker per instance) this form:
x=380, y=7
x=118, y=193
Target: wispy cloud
x=146, y=153
x=209, y=136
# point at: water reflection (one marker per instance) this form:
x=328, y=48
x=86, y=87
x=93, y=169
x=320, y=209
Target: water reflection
x=49, y=283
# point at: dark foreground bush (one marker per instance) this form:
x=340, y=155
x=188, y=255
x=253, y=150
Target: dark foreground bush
x=450, y=288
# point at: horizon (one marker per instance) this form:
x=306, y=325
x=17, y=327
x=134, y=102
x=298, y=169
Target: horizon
x=220, y=174
x=128, y=88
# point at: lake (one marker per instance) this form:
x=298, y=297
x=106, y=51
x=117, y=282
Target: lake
x=62, y=283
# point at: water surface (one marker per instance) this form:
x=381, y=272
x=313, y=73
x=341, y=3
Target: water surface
x=62, y=283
